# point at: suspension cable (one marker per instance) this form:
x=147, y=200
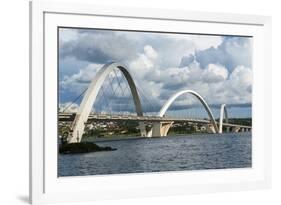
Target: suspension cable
x=76, y=99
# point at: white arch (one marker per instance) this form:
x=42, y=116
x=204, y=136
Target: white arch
x=203, y=102
x=85, y=107
x=223, y=112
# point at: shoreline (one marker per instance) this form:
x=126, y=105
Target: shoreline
x=120, y=138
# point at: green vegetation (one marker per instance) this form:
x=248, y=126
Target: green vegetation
x=63, y=130
x=182, y=129
x=241, y=121
x=111, y=129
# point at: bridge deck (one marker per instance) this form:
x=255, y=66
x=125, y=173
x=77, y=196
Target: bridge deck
x=64, y=117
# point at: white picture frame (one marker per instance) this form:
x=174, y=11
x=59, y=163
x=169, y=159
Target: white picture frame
x=46, y=187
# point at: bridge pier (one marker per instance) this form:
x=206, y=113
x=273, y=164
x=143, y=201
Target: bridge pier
x=142, y=129
x=235, y=129
x=227, y=129
x=222, y=111
x=160, y=129
x=210, y=128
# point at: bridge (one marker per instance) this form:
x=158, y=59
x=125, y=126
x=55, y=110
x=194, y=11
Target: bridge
x=69, y=117
x=161, y=123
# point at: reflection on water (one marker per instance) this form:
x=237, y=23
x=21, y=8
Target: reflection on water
x=192, y=152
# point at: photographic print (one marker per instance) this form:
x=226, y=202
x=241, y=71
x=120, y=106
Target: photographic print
x=143, y=101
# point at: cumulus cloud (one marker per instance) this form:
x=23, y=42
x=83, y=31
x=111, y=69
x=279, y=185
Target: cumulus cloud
x=98, y=47
x=150, y=52
x=67, y=35
x=234, y=51
x=203, y=43
x=68, y=107
x=219, y=68
x=234, y=90
x=187, y=60
x=80, y=80
x=142, y=65
x=241, y=81
x=214, y=73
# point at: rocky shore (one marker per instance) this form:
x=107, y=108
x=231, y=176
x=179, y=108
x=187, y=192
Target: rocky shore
x=83, y=147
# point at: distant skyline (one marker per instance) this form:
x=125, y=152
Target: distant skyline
x=217, y=67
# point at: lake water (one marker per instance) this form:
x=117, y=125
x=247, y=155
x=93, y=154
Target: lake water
x=172, y=153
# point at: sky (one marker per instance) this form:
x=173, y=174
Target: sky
x=219, y=68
